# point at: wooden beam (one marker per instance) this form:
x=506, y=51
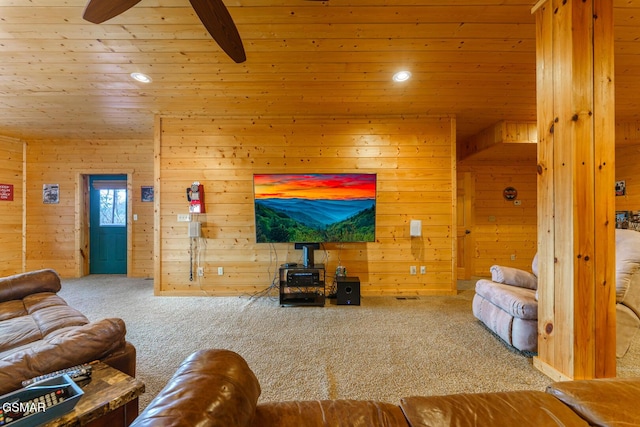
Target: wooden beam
x=503, y=132
x=576, y=121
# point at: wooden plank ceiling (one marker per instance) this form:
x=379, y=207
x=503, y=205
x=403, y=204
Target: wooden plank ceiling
x=63, y=77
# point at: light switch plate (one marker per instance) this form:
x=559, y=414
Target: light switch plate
x=415, y=228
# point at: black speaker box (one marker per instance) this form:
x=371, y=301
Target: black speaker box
x=348, y=291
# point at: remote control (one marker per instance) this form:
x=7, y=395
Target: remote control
x=16, y=409
x=76, y=373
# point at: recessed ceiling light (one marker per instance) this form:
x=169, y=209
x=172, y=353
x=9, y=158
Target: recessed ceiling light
x=401, y=76
x=140, y=77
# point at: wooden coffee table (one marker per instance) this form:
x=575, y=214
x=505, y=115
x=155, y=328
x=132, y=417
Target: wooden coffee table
x=109, y=400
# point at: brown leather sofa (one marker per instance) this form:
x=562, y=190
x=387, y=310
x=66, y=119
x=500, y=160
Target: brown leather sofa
x=217, y=388
x=40, y=333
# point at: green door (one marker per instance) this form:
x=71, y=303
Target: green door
x=108, y=224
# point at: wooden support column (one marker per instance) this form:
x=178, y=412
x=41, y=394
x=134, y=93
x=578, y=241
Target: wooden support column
x=576, y=201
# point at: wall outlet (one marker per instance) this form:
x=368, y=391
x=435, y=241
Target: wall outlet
x=423, y=269
x=513, y=257
x=412, y=269
x=220, y=271
x=184, y=217
x=200, y=271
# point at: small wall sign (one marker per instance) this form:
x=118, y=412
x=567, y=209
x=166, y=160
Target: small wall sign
x=6, y=192
x=50, y=193
x=510, y=193
x=146, y=194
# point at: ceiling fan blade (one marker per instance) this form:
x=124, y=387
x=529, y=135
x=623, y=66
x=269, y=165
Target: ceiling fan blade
x=217, y=20
x=98, y=11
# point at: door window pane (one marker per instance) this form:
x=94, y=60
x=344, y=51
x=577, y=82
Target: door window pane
x=113, y=207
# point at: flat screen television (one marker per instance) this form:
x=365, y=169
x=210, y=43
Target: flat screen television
x=315, y=208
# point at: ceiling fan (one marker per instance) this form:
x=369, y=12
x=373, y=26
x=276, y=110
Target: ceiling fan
x=213, y=14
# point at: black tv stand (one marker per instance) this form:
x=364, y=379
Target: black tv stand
x=301, y=286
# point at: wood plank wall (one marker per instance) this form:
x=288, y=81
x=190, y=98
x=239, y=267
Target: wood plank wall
x=627, y=133
x=53, y=229
x=414, y=159
x=513, y=230
x=502, y=229
x=627, y=161
x=11, y=212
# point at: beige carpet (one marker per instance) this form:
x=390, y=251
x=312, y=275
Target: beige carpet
x=384, y=349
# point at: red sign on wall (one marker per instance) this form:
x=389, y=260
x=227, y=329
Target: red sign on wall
x=6, y=192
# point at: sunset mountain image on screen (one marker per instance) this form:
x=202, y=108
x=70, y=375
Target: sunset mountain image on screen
x=316, y=207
